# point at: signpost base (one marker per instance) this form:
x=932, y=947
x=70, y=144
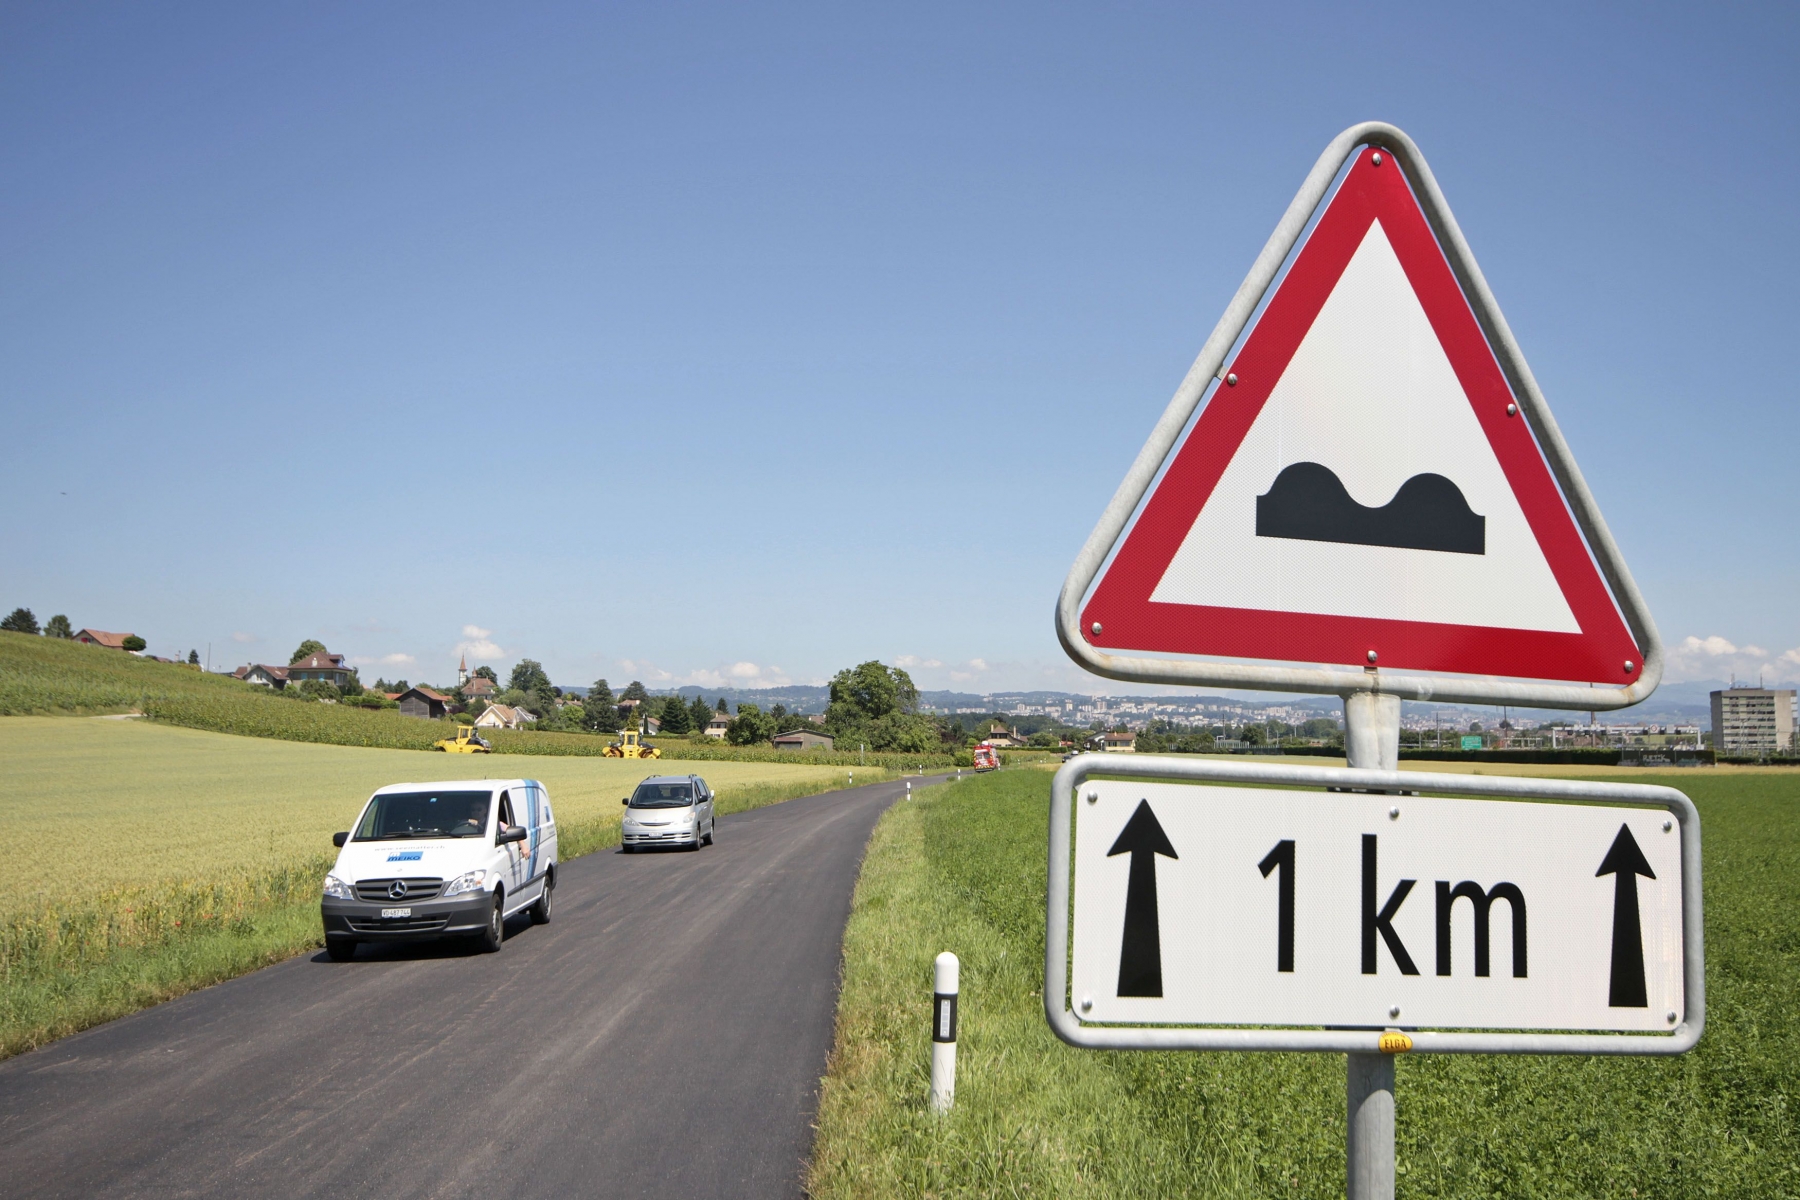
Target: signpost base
x=1369, y=1101
x=1371, y=743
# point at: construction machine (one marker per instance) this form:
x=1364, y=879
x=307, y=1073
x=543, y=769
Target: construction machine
x=465, y=741
x=631, y=744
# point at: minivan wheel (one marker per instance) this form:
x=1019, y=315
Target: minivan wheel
x=540, y=912
x=340, y=949
x=494, y=936
x=710, y=828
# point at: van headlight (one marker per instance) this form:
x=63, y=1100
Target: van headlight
x=468, y=881
x=338, y=889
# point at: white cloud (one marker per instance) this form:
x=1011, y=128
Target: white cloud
x=243, y=638
x=477, y=643
x=386, y=660
x=910, y=662
x=1713, y=647
x=745, y=670
x=978, y=664
x=1715, y=657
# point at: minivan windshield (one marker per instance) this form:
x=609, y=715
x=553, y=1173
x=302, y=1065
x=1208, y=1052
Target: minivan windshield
x=663, y=795
x=395, y=815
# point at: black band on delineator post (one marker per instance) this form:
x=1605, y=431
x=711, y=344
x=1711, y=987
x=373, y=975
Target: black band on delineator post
x=943, y=1016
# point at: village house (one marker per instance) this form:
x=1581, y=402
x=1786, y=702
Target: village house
x=715, y=727
x=473, y=687
x=325, y=667
x=423, y=702
x=1121, y=743
x=1002, y=738
x=503, y=716
x=99, y=637
x=263, y=675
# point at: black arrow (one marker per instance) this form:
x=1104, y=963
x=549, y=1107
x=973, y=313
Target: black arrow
x=1625, y=862
x=1140, y=956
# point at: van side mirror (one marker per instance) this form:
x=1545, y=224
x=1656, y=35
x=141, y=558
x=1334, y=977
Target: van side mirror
x=626, y=800
x=338, y=839
x=512, y=833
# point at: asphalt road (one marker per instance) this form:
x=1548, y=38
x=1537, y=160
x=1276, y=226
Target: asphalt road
x=664, y=1035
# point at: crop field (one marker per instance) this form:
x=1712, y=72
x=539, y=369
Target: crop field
x=148, y=860
x=133, y=802
x=962, y=869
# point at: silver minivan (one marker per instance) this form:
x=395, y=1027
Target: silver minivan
x=668, y=810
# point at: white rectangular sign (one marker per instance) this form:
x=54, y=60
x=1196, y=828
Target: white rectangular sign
x=1208, y=905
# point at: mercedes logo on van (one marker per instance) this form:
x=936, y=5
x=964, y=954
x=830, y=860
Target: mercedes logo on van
x=397, y=889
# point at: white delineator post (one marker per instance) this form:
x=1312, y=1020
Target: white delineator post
x=909, y=790
x=1371, y=743
x=945, y=984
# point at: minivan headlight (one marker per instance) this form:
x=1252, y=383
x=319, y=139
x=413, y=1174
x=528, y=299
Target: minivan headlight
x=337, y=888
x=468, y=881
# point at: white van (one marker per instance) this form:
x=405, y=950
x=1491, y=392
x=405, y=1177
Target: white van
x=432, y=860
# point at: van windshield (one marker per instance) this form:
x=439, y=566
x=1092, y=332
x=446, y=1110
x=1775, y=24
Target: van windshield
x=663, y=795
x=396, y=815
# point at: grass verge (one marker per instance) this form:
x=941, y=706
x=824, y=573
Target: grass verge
x=962, y=868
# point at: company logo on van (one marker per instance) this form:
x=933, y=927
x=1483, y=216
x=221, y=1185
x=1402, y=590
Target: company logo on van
x=406, y=856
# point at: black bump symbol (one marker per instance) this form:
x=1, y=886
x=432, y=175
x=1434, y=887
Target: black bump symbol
x=1308, y=502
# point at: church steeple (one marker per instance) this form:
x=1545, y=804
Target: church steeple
x=462, y=671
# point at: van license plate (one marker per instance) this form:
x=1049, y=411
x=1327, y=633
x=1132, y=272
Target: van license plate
x=386, y=913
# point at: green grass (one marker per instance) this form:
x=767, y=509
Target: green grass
x=149, y=860
x=962, y=869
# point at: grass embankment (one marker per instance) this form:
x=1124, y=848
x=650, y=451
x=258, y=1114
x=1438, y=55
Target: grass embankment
x=962, y=868
x=150, y=860
x=51, y=676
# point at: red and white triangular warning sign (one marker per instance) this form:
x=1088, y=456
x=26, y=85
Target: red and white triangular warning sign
x=1363, y=486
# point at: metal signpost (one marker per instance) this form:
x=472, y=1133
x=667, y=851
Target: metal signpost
x=1373, y=500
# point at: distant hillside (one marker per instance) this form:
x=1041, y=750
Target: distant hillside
x=1672, y=704
x=44, y=675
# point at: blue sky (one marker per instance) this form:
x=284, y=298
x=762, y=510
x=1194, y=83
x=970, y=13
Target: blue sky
x=697, y=344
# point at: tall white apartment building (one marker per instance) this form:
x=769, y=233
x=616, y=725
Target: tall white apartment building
x=1755, y=721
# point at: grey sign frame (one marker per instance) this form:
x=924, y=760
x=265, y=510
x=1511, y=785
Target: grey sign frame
x=1208, y=769
x=1210, y=367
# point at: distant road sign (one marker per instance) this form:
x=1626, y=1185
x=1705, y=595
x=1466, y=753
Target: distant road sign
x=1471, y=741
x=1374, y=482
x=1195, y=904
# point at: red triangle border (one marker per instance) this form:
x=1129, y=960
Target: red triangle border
x=1603, y=652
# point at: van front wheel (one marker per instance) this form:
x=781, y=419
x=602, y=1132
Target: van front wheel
x=340, y=949
x=494, y=936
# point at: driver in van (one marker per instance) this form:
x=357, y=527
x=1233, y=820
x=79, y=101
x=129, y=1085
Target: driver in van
x=475, y=822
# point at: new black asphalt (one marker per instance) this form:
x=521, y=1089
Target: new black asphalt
x=664, y=1035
